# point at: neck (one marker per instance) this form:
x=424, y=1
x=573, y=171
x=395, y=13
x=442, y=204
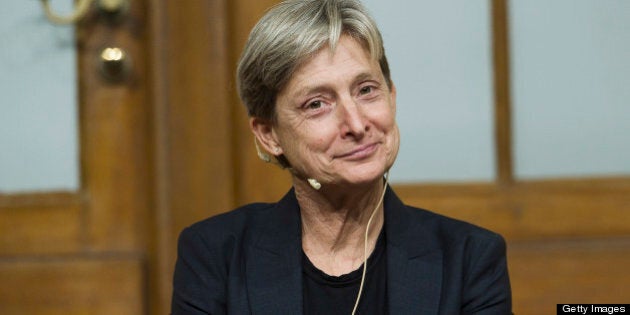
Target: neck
x=334, y=224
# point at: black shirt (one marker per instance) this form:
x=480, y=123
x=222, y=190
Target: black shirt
x=325, y=294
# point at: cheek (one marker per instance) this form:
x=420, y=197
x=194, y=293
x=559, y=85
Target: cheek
x=308, y=143
x=390, y=129
x=396, y=138
x=319, y=143
x=386, y=119
x=320, y=136
x=393, y=145
x=318, y=147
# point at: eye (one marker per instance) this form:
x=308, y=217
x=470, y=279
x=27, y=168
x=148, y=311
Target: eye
x=366, y=90
x=314, y=105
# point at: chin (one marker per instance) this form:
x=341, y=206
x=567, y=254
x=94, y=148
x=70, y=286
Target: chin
x=363, y=176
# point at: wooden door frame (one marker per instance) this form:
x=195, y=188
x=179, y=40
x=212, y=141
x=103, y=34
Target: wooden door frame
x=193, y=158
x=61, y=250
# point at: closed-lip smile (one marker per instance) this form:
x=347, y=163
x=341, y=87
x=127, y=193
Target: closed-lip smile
x=360, y=152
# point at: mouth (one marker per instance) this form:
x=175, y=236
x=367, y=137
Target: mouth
x=360, y=152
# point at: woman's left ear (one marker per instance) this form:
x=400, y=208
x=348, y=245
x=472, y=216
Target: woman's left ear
x=263, y=131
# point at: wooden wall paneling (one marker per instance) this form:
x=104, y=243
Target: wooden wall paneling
x=115, y=133
x=502, y=107
x=572, y=208
x=72, y=285
x=481, y=204
x=192, y=127
x=547, y=273
x=533, y=210
x=255, y=180
x=83, y=252
x=197, y=110
x=161, y=248
x=41, y=223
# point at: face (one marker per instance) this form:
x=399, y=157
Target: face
x=335, y=118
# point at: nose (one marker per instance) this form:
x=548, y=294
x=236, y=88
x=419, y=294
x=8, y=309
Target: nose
x=352, y=118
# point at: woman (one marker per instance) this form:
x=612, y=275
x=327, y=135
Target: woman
x=316, y=83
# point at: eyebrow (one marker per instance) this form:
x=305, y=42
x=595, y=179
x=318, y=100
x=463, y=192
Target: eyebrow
x=318, y=88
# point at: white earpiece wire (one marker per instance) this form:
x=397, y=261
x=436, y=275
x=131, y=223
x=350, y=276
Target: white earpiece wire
x=365, y=244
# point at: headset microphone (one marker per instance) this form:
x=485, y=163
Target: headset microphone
x=314, y=183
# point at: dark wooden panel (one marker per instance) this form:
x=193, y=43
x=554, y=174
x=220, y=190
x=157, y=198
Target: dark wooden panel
x=533, y=210
x=257, y=181
x=192, y=126
x=502, y=106
x=72, y=286
x=49, y=223
x=196, y=111
x=115, y=133
x=546, y=273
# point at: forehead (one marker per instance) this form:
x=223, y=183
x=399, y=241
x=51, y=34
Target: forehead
x=349, y=60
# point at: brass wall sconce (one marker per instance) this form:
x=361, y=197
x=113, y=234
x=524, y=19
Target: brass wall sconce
x=81, y=9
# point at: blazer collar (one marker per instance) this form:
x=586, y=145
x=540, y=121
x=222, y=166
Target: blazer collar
x=414, y=261
x=274, y=261
x=274, y=265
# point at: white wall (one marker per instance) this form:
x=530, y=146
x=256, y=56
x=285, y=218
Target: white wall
x=440, y=57
x=571, y=87
x=38, y=92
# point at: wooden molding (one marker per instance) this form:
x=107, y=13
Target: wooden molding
x=502, y=106
x=41, y=223
x=40, y=199
x=532, y=210
x=193, y=138
x=544, y=273
x=76, y=285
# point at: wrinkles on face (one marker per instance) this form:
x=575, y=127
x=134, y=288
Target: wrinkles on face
x=336, y=117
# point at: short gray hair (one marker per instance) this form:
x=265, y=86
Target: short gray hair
x=291, y=32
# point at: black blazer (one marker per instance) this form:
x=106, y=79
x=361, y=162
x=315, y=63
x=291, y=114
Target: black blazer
x=248, y=261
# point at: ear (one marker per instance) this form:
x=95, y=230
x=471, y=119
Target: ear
x=264, y=133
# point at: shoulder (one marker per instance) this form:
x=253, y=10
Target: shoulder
x=443, y=229
x=210, y=246
x=473, y=260
x=417, y=226
x=474, y=264
x=228, y=225
x=208, y=252
x=460, y=242
x=450, y=229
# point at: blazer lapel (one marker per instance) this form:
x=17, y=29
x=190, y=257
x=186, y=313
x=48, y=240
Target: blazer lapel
x=414, y=262
x=274, y=263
